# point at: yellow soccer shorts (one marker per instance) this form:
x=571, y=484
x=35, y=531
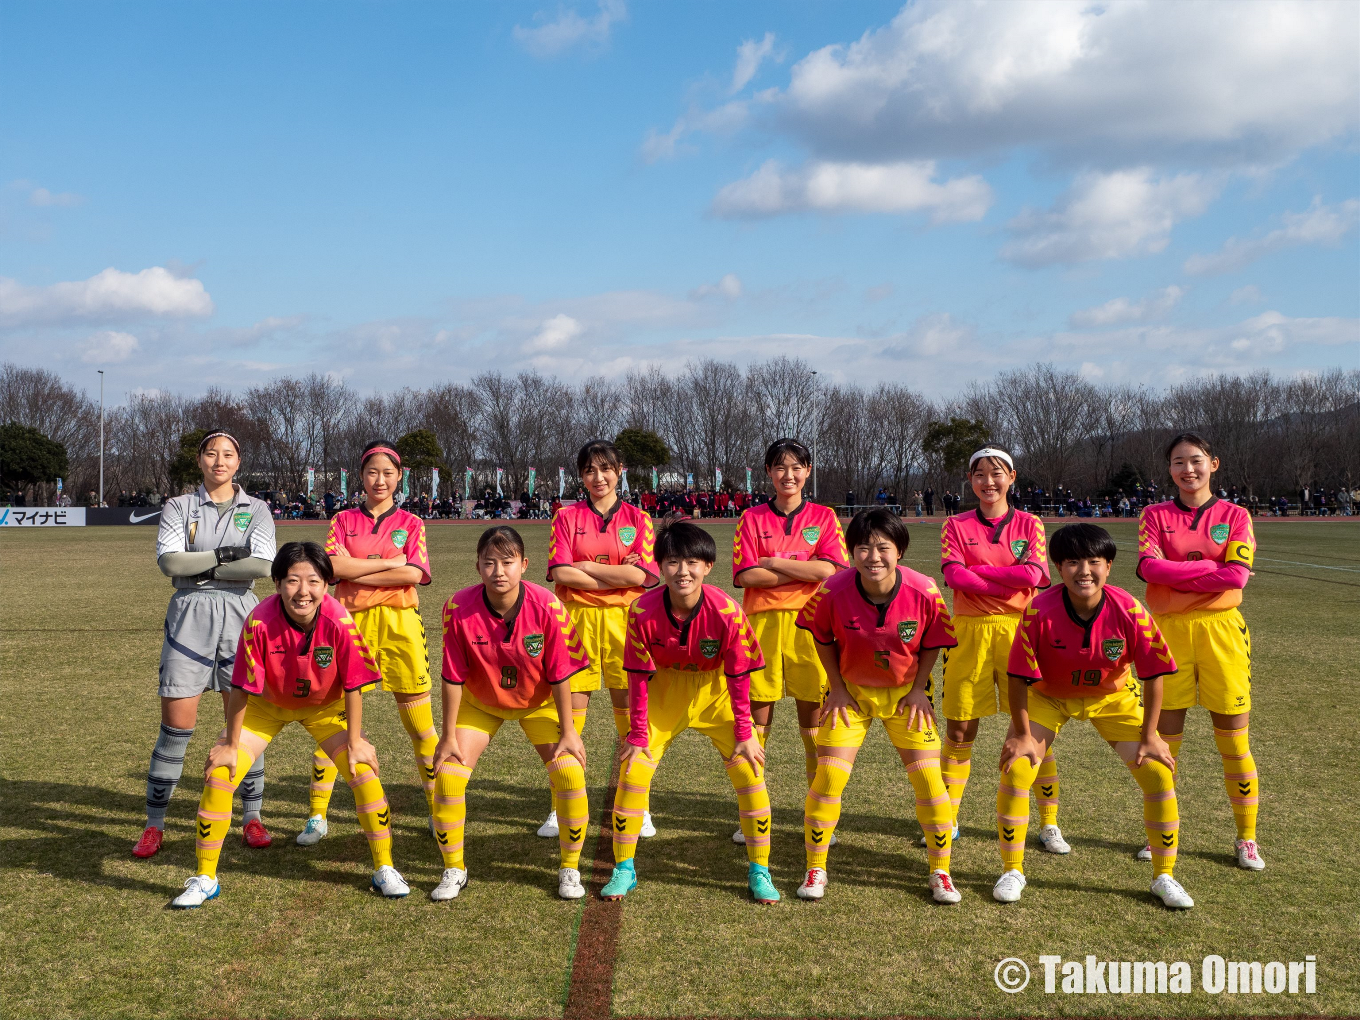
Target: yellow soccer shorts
x=791, y=664
x=678, y=700
x=975, y=672
x=878, y=703
x=1212, y=649
x=1117, y=716
x=396, y=637
x=540, y=723
x=264, y=719
x=603, y=631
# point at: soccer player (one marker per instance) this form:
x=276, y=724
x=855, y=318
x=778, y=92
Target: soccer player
x=690, y=656
x=300, y=659
x=600, y=559
x=1070, y=660
x=212, y=544
x=1195, y=552
x=509, y=651
x=378, y=553
x=994, y=560
x=781, y=552
x=878, y=630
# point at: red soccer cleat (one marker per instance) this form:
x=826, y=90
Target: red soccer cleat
x=255, y=835
x=150, y=843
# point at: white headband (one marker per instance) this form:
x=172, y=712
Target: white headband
x=991, y=451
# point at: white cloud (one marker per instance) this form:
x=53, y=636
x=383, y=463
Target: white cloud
x=1108, y=216
x=110, y=296
x=108, y=347
x=555, y=333
x=1320, y=224
x=1248, y=295
x=724, y=119
x=549, y=38
x=729, y=287
x=1121, y=310
x=750, y=55
x=854, y=187
x=43, y=197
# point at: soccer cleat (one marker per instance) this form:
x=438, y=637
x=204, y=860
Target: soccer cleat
x=762, y=887
x=814, y=885
x=198, y=890
x=941, y=886
x=1144, y=854
x=739, y=838
x=1249, y=855
x=255, y=835
x=315, y=830
x=621, y=882
x=1170, y=892
x=1009, y=887
x=1051, y=840
x=954, y=836
x=450, y=885
x=150, y=843
x=388, y=881
x=569, y=885
x=548, y=830
x=648, y=829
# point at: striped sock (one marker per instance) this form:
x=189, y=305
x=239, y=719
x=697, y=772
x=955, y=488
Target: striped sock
x=167, y=765
x=568, y=780
x=621, y=722
x=956, y=764
x=450, y=811
x=370, y=803
x=1161, y=816
x=418, y=722
x=252, y=791
x=753, y=803
x=1046, y=790
x=214, y=813
x=933, y=810
x=1240, y=779
x=323, y=782
x=809, y=735
x=630, y=801
x=822, y=809
x=578, y=719
x=1012, y=813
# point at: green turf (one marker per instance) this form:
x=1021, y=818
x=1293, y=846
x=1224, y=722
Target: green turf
x=296, y=934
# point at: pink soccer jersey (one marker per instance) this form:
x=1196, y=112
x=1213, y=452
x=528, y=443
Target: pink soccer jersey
x=280, y=662
x=1015, y=540
x=394, y=533
x=1061, y=655
x=879, y=645
x=580, y=533
x=809, y=532
x=1218, y=532
x=510, y=661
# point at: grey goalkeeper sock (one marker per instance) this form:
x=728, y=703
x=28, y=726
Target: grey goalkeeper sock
x=252, y=790
x=167, y=763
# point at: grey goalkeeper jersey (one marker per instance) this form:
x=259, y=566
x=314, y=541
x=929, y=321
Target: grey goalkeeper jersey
x=192, y=523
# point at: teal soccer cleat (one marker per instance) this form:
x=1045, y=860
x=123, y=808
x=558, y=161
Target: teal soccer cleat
x=621, y=883
x=762, y=888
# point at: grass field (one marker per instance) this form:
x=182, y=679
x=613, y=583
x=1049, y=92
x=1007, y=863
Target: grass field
x=296, y=934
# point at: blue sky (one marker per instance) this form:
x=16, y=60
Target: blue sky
x=197, y=194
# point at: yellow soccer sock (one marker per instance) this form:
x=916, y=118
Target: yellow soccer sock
x=822, y=808
x=809, y=735
x=568, y=780
x=419, y=724
x=323, y=782
x=762, y=733
x=630, y=801
x=1239, y=776
x=214, y=812
x=956, y=763
x=933, y=810
x=1046, y=790
x=753, y=803
x=450, y=811
x=621, y=724
x=370, y=804
x=578, y=719
x=1174, y=743
x=1161, y=816
x=1012, y=813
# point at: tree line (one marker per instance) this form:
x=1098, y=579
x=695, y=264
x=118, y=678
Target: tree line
x=1275, y=434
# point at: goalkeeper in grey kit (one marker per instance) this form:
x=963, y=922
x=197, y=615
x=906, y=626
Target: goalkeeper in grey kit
x=213, y=544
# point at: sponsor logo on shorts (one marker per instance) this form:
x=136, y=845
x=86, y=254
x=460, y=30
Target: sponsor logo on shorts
x=399, y=537
x=1113, y=648
x=1019, y=547
x=241, y=519
x=810, y=535
x=509, y=677
x=708, y=648
x=533, y=644
x=1219, y=533
x=906, y=630
x=626, y=535
x=323, y=656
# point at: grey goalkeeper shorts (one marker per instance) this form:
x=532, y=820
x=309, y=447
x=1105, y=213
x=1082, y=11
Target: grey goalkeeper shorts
x=202, y=629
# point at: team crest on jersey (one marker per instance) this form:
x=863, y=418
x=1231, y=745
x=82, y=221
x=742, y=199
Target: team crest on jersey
x=509, y=677
x=323, y=656
x=708, y=648
x=1019, y=546
x=399, y=537
x=810, y=535
x=533, y=644
x=626, y=535
x=1113, y=648
x=906, y=630
x=1219, y=533
x=242, y=519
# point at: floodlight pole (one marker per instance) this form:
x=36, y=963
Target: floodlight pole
x=101, y=437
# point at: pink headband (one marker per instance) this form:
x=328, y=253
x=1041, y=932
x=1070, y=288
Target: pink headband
x=396, y=457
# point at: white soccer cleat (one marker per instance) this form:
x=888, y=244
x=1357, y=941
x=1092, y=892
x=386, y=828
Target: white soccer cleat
x=388, y=881
x=1171, y=893
x=941, y=886
x=1009, y=887
x=569, y=885
x=1144, y=854
x=315, y=830
x=814, y=885
x=953, y=836
x=548, y=830
x=1051, y=840
x=1249, y=855
x=648, y=830
x=739, y=838
x=450, y=885
x=198, y=890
